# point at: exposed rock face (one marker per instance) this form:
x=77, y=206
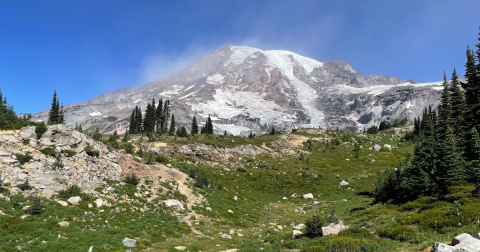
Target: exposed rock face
x=246, y=89
x=44, y=172
x=205, y=151
x=461, y=243
x=333, y=229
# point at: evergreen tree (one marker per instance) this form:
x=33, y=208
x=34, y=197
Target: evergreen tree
x=209, y=126
x=132, y=128
x=474, y=164
x=458, y=106
x=182, y=132
x=450, y=165
x=126, y=137
x=273, y=131
x=194, y=126
x=61, y=116
x=172, y=125
x=203, y=130
x=250, y=136
x=159, y=116
x=166, y=115
x=422, y=177
x=138, y=120
x=471, y=88
x=54, y=110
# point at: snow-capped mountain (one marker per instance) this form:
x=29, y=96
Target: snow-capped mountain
x=245, y=89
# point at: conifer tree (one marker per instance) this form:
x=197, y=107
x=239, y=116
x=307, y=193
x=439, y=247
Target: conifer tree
x=166, y=115
x=450, y=163
x=132, y=128
x=126, y=137
x=138, y=120
x=172, y=125
x=61, y=116
x=474, y=164
x=458, y=106
x=159, y=116
x=194, y=126
x=273, y=131
x=54, y=110
x=209, y=126
x=471, y=90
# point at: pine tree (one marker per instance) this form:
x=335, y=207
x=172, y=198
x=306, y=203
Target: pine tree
x=474, y=164
x=209, y=126
x=194, y=126
x=126, y=137
x=54, y=110
x=422, y=177
x=471, y=90
x=450, y=163
x=132, y=128
x=273, y=131
x=182, y=132
x=166, y=115
x=172, y=125
x=61, y=116
x=139, y=120
x=458, y=106
x=159, y=116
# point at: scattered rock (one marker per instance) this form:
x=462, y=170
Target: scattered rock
x=377, y=147
x=208, y=208
x=180, y=248
x=129, y=243
x=299, y=226
x=99, y=202
x=343, y=183
x=174, y=204
x=333, y=229
x=388, y=146
x=63, y=224
x=235, y=198
x=226, y=236
x=230, y=211
x=296, y=234
x=74, y=200
x=308, y=196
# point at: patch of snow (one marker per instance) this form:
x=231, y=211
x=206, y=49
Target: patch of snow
x=215, y=79
x=173, y=90
x=95, y=114
x=185, y=96
x=137, y=101
x=240, y=53
x=380, y=89
x=188, y=88
x=232, y=129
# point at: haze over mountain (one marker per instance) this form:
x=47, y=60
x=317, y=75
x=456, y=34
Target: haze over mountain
x=245, y=88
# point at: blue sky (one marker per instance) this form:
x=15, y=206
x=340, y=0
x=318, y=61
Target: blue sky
x=85, y=48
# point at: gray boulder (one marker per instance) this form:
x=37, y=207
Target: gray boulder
x=129, y=243
x=440, y=247
x=377, y=147
x=27, y=133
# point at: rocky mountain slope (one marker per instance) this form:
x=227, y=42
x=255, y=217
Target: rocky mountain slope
x=246, y=89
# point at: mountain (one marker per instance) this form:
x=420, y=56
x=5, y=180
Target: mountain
x=246, y=89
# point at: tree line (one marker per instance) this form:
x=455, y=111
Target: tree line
x=447, y=149
x=159, y=119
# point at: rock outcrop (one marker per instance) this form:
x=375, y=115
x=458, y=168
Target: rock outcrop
x=58, y=160
x=461, y=243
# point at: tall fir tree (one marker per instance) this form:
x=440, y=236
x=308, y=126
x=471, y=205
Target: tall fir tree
x=158, y=116
x=422, y=179
x=54, y=110
x=132, y=128
x=474, y=164
x=194, y=130
x=209, y=126
x=450, y=163
x=458, y=107
x=470, y=87
x=61, y=115
x=148, y=121
x=139, y=120
x=444, y=110
x=166, y=115
x=172, y=125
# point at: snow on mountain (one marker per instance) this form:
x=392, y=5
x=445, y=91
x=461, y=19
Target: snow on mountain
x=247, y=89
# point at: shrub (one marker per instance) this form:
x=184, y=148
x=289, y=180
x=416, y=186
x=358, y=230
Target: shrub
x=48, y=151
x=40, y=129
x=22, y=159
x=313, y=226
x=131, y=179
x=399, y=233
x=26, y=142
x=161, y=159
x=201, y=180
x=73, y=190
x=36, y=207
x=91, y=151
x=69, y=153
x=129, y=148
x=356, y=232
x=241, y=170
x=25, y=186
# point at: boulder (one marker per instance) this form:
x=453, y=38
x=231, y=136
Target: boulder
x=99, y=202
x=63, y=224
x=129, y=243
x=174, y=204
x=296, y=234
x=308, y=196
x=377, y=147
x=74, y=200
x=388, y=146
x=460, y=238
x=441, y=247
x=61, y=202
x=226, y=236
x=343, y=183
x=299, y=226
x=333, y=229
x=180, y=248
x=28, y=133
